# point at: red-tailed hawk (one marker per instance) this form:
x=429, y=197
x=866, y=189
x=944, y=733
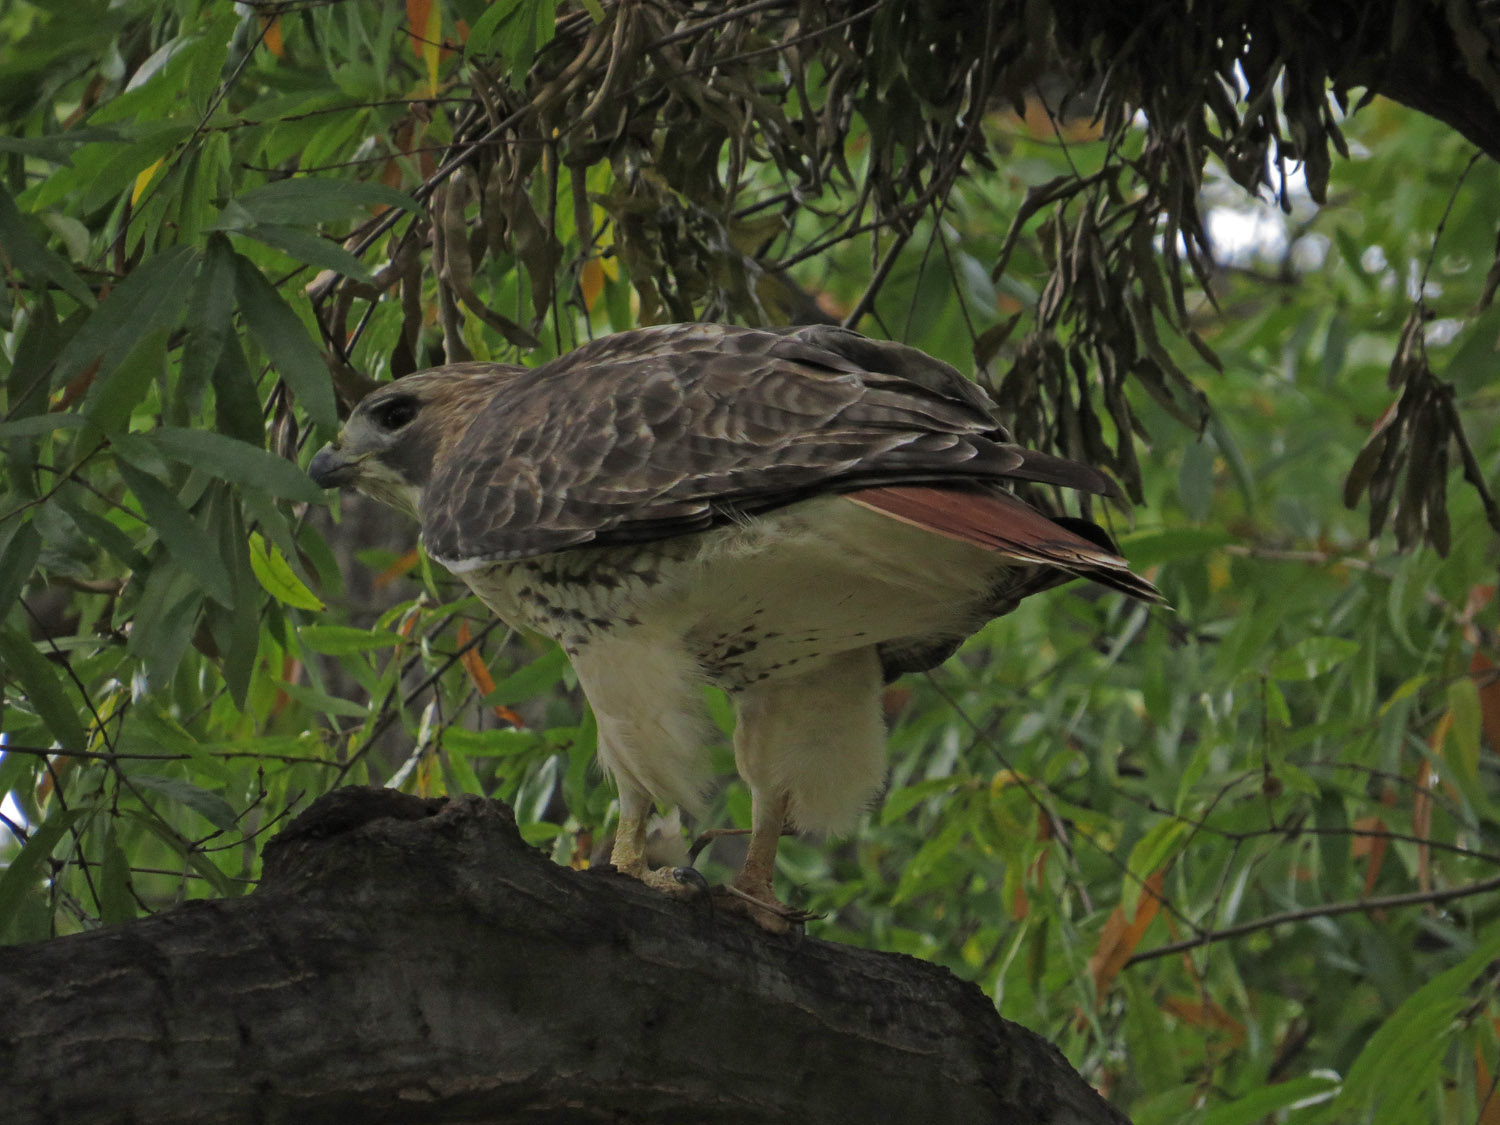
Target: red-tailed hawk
x=795, y=515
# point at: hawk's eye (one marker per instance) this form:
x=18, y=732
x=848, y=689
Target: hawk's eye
x=394, y=413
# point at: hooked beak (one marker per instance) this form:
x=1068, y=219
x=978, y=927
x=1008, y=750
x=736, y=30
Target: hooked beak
x=329, y=468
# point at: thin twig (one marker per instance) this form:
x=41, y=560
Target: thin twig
x=1329, y=910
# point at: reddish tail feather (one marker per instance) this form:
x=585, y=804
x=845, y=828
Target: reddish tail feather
x=998, y=521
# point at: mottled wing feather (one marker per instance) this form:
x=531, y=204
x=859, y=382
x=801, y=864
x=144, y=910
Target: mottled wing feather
x=661, y=432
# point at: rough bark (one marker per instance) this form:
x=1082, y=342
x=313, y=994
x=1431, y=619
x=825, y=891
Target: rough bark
x=410, y=960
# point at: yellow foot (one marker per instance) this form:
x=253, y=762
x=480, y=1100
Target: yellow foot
x=758, y=903
x=674, y=882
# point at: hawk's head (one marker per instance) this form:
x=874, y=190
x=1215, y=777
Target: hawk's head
x=394, y=436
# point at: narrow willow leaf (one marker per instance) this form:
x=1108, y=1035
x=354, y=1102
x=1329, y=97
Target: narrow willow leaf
x=236, y=401
x=311, y=249
x=1312, y=657
x=494, y=743
x=31, y=255
x=897, y=804
x=105, y=533
x=208, y=804
x=304, y=200
x=482, y=35
x=127, y=163
x=242, y=646
x=116, y=903
x=1151, y=854
x=210, y=316
x=316, y=700
x=152, y=296
x=339, y=640
x=30, y=375
x=164, y=621
x=17, y=560
x=27, y=869
x=113, y=397
x=58, y=147
x=1463, y=702
x=1152, y=547
x=284, y=338
x=1195, y=480
x=530, y=681
x=1401, y=1062
x=42, y=688
x=177, y=528
x=191, y=855
x=40, y=424
x=236, y=461
x=1259, y=1104
x=273, y=573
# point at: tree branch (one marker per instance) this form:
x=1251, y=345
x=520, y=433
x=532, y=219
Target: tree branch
x=414, y=960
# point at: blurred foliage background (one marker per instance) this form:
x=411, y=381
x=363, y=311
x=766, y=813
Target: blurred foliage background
x=1238, y=858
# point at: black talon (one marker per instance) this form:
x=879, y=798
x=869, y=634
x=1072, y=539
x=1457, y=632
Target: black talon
x=691, y=876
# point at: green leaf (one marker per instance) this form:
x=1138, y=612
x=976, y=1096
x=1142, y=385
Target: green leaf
x=238, y=461
x=1312, y=657
x=27, y=869
x=530, y=681
x=116, y=904
x=339, y=640
x=482, y=34
x=152, y=296
x=281, y=334
x=305, y=200
x=40, y=424
x=311, y=249
x=1195, y=480
x=210, y=316
x=112, y=398
x=192, y=546
x=199, y=862
x=896, y=805
x=146, y=726
x=236, y=400
x=496, y=742
x=17, y=561
x=208, y=804
x=1256, y=1106
x=273, y=573
x=1463, y=702
x=57, y=147
x=164, y=620
x=239, y=634
x=43, y=689
x=316, y=700
x=515, y=30
x=31, y=255
x=120, y=170
x=1153, y=850
x=1403, y=1060
x=1155, y=547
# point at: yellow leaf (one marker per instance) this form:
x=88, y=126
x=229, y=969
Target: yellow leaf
x=1119, y=938
x=273, y=36
x=276, y=576
x=143, y=180
x=591, y=281
x=426, y=18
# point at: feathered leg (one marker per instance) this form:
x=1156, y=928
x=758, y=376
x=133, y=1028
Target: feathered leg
x=812, y=749
x=644, y=693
